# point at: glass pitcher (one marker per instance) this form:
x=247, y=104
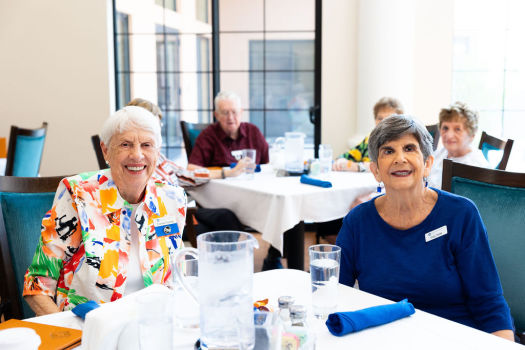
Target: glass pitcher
x=294, y=149
x=224, y=290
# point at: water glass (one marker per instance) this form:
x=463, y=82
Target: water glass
x=185, y=307
x=155, y=327
x=324, y=272
x=250, y=155
x=325, y=158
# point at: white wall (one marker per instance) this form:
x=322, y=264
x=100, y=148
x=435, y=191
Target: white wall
x=55, y=67
x=363, y=61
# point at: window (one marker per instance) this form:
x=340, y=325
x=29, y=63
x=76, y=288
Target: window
x=489, y=64
x=165, y=57
x=268, y=60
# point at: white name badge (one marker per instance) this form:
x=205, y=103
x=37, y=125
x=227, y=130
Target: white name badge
x=166, y=220
x=436, y=233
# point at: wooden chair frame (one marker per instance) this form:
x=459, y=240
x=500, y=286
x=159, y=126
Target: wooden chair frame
x=11, y=306
x=15, y=132
x=506, y=146
x=434, y=131
x=95, y=140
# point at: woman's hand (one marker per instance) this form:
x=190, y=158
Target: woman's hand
x=505, y=333
x=342, y=164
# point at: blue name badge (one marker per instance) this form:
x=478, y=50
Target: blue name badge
x=166, y=226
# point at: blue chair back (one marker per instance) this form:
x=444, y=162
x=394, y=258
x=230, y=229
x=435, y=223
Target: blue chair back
x=495, y=151
x=28, y=153
x=23, y=213
x=502, y=210
x=190, y=132
x=23, y=203
x=24, y=154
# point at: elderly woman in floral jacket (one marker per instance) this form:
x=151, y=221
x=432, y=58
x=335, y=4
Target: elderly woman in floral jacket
x=111, y=232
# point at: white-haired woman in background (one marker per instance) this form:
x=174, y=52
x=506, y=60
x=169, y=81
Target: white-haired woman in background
x=110, y=232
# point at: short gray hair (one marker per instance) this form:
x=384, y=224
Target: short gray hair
x=394, y=127
x=128, y=118
x=227, y=95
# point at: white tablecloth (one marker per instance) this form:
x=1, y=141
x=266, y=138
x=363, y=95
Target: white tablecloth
x=272, y=205
x=419, y=331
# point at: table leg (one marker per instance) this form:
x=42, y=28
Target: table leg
x=294, y=246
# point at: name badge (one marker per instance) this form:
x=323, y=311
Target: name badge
x=166, y=226
x=436, y=233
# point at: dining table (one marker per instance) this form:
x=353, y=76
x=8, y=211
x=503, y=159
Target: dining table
x=277, y=206
x=421, y=330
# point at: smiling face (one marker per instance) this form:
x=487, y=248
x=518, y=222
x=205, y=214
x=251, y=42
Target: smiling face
x=400, y=165
x=228, y=115
x=132, y=156
x=384, y=113
x=455, y=138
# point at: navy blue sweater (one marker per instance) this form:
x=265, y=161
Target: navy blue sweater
x=452, y=275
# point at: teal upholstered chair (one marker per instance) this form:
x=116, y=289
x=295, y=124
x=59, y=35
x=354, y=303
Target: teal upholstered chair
x=500, y=198
x=434, y=132
x=23, y=203
x=190, y=131
x=488, y=144
x=24, y=152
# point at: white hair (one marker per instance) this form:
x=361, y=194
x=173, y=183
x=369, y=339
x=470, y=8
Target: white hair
x=227, y=95
x=128, y=118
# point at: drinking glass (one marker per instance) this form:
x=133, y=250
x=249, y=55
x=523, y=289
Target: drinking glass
x=250, y=155
x=185, y=307
x=325, y=158
x=155, y=327
x=324, y=272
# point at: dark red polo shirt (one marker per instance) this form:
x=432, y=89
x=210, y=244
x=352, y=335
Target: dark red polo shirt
x=213, y=147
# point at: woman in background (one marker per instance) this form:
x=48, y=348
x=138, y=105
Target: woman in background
x=457, y=126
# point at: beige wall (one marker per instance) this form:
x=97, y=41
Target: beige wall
x=55, y=67
x=353, y=27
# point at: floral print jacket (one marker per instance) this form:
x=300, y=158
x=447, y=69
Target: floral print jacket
x=83, y=250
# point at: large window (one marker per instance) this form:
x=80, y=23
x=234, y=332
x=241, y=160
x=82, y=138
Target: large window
x=267, y=50
x=489, y=65
x=164, y=53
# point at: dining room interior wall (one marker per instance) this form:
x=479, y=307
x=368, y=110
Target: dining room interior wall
x=356, y=70
x=55, y=66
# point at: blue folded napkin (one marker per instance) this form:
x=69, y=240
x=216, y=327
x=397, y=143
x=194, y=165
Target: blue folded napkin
x=82, y=309
x=341, y=323
x=305, y=179
x=257, y=167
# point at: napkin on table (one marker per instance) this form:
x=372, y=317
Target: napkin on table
x=82, y=309
x=341, y=323
x=305, y=179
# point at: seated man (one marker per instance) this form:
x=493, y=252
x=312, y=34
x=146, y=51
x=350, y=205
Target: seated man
x=207, y=219
x=215, y=144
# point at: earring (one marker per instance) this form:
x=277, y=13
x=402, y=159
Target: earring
x=379, y=187
x=426, y=181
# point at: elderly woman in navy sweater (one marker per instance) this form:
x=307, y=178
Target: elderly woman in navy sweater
x=421, y=243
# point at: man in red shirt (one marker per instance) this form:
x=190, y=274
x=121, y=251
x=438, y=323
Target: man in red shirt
x=219, y=143
x=215, y=144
